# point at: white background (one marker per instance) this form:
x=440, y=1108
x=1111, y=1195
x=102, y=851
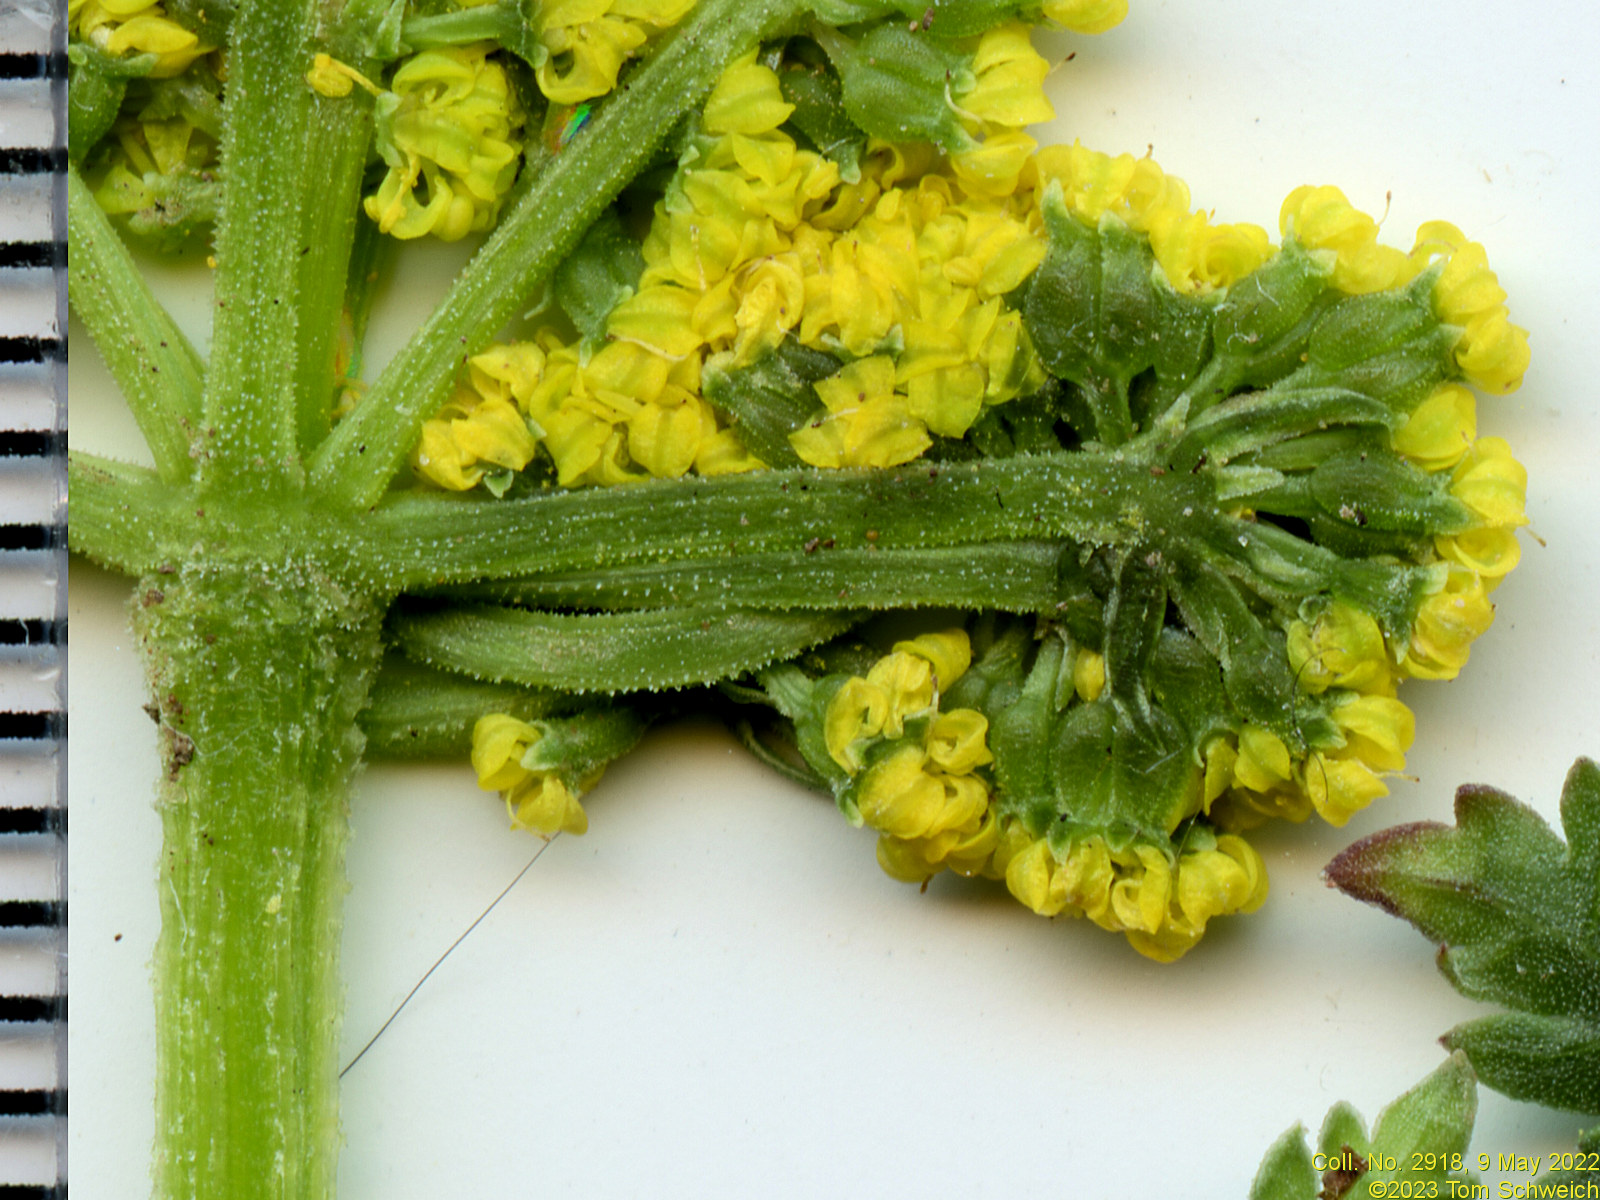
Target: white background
x=716, y=992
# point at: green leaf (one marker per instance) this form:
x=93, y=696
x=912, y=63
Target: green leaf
x=1099, y=312
x=1514, y=910
x=819, y=114
x=1417, y=1148
x=96, y=84
x=600, y=273
x=896, y=85
x=1553, y=1061
x=1286, y=1172
x=948, y=18
x=1433, y=1119
x=771, y=398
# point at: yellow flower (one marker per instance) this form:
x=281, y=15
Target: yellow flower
x=772, y=300
x=1320, y=218
x=1139, y=897
x=1220, y=758
x=1378, y=730
x=1344, y=648
x=1447, y=624
x=746, y=99
x=854, y=715
x=589, y=40
x=331, y=78
x=903, y=684
x=1492, y=353
x=468, y=432
x=1492, y=484
x=450, y=132
x=1029, y=875
x=1199, y=257
x=1263, y=762
x=1466, y=288
x=1440, y=430
x=544, y=805
x=948, y=654
x=1087, y=16
x=1340, y=787
x=1094, y=184
x=1009, y=77
x=507, y=371
x=139, y=27
x=665, y=435
x=920, y=795
x=535, y=800
x=1229, y=879
x=900, y=797
x=958, y=741
x=1089, y=675
x=964, y=851
x=868, y=424
x=996, y=165
x=498, y=744
x=1211, y=883
x=1491, y=553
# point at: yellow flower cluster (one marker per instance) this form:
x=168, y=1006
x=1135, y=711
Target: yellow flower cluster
x=1195, y=255
x=589, y=40
x=483, y=422
x=758, y=240
x=913, y=764
x=1252, y=775
x=903, y=271
x=1447, y=624
x=1441, y=435
x=138, y=27
x=450, y=131
x=536, y=799
x=915, y=783
x=1159, y=901
x=1492, y=352
x=1494, y=488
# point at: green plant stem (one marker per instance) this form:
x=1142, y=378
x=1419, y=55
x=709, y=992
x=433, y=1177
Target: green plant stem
x=336, y=151
x=258, y=669
x=146, y=353
x=355, y=464
x=270, y=181
x=122, y=516
x=1009, y=576
x=1095, y=500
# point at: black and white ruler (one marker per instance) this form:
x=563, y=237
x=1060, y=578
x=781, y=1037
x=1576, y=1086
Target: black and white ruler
x=33, y=601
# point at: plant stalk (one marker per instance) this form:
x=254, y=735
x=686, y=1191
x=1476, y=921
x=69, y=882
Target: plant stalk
x=258, y=671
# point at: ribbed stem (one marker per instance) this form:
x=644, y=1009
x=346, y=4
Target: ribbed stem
x=259, y=741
